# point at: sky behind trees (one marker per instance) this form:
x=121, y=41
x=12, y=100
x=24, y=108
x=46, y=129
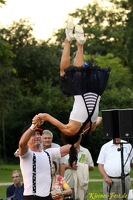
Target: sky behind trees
x=46, y=15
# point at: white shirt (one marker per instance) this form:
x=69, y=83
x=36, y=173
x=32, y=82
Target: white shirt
x=110, y=157
x=57, y=160
x=43, y=171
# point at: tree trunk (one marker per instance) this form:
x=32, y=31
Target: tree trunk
x=3, y=134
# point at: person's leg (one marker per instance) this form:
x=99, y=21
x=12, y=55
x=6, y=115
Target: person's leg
x=127, y=184
x=65, y=58
x=105, y=190
x=79, y=58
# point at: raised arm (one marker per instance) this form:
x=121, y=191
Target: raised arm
x=23, y=147
x=27, y=133
x=67, y=129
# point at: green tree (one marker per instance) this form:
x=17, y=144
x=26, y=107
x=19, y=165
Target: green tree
x=2, y=2
x=8, y=85
x=108, y=29
x=128, y=5
x=33, y=60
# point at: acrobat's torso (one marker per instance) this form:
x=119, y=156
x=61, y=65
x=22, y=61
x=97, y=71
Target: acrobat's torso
x=84, y=105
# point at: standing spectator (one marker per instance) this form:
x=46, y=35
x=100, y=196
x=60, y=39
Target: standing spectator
x=47, y=137
x=109, y=165
x=77, y=176
x=60, y=188
x=15, y=191
x=36, y=164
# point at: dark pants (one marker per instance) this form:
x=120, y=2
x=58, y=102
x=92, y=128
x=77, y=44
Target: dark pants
x=34, y=197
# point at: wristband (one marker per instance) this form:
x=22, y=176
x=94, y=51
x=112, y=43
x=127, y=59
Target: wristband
x=32, y=127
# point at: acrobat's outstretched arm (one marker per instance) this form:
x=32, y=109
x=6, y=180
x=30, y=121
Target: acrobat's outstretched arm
x=65, y=128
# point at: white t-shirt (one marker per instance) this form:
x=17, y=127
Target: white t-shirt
x=57, y=160
x=110, y=157
x=43, y=171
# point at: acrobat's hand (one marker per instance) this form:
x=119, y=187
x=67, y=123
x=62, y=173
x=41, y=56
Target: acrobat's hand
x=42, y=116
x=37, y=121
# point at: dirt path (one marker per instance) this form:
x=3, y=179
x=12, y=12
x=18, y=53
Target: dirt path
x=91, y=180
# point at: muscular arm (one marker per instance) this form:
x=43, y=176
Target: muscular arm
x=46, y=117
x=23, y=147
x=69, y=129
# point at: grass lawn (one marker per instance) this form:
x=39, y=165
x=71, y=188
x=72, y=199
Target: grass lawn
x=95, y=187
x=5, y=176
x=6, y=172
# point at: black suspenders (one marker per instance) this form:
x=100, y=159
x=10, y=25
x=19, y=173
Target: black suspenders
x=34, y=172
x=89, y=116
x=50, y=167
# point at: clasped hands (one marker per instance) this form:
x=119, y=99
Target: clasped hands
x=39, y=119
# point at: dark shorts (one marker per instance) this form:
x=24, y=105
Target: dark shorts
x=34, y=197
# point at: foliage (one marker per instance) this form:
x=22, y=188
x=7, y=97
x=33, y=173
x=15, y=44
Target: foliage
x=107, y=27
x=129, y=33
x=8, y=84
x=33, y=60
x=2, y=2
